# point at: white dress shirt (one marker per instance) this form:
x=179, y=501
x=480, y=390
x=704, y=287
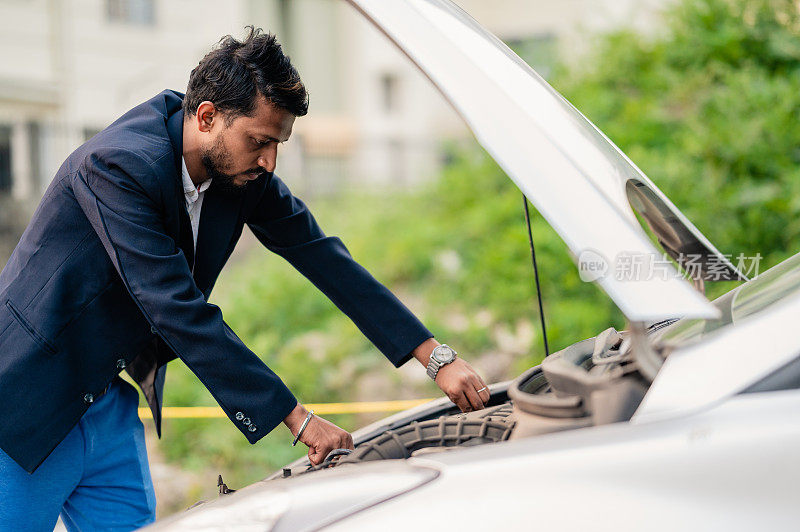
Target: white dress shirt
x=194, y=199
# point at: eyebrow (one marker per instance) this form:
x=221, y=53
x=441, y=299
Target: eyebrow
x=267, y=138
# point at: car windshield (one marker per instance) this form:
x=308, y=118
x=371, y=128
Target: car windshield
x=753, y=296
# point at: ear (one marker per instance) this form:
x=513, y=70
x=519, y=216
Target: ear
x=205, y=116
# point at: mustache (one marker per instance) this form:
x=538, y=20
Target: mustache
x=257, y=170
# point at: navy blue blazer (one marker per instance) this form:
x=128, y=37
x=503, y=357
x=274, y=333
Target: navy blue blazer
x=105, y=278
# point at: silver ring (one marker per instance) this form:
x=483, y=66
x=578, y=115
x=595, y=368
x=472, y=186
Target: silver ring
x=479, y=391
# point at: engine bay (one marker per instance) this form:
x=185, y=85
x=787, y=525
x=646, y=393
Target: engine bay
x=594, y=382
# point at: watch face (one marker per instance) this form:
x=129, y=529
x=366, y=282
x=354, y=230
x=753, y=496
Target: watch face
x=443, y=353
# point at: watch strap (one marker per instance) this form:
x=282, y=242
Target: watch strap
x=433, y=368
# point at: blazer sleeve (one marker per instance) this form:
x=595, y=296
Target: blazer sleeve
x=120, y=195
x=285, y=226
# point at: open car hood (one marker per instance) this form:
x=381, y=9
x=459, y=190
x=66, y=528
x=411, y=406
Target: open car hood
x=575, y=176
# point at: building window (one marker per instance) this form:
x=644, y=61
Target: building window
x=134, y=12
x=397, y=157
x=389, y=93
x=5, y=159
x=35, y=143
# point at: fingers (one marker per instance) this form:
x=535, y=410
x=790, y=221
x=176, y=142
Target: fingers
x=481, y=389
x=472, y=396
x=318, y=453
x=314, y=456
x=461, y=384
x=461, y=402
x=469, y=386
x=322, y=437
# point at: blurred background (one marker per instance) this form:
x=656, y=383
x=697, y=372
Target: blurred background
x=703, y=95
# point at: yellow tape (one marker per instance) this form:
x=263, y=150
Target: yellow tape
x=318, y=408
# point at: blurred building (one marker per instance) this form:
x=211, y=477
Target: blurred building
x=375, y=119
x=70, y=67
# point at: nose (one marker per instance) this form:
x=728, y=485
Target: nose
x=269, y=157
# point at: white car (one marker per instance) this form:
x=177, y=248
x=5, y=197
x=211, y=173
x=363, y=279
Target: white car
x=688, y=420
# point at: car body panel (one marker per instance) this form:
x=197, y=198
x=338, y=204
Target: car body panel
x=701, y=472
x=301, y=503
x=575, y=176
x=735, y=356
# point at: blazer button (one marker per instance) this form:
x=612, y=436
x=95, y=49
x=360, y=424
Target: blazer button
x=88, y=398
x=252, y=428
x=239, y=416
x=246, y=421
x=121, y=363
x=153, y=329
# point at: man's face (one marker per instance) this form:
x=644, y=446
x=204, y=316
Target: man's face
x=238, y=151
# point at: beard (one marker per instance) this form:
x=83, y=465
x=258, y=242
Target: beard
x=215, y=160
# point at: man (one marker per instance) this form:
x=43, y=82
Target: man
x=114, y=272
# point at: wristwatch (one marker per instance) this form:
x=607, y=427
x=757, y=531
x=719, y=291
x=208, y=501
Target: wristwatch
x=440, y=356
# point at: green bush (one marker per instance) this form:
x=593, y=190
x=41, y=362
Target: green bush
x=711, y=112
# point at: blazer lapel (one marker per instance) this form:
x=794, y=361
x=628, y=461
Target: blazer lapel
x=185, y=237
x=218, y=220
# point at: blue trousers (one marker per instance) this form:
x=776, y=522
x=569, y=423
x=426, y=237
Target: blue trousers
x=98, y=477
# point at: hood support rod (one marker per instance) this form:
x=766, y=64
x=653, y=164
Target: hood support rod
x=536, y=276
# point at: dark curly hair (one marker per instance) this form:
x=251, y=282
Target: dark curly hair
x=234, y=73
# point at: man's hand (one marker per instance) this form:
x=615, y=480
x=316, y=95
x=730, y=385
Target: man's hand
x=461, y=384
x=457, y=380
x=320, y=436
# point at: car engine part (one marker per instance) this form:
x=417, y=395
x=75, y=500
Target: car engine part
x=593, y=382
x=596, y=381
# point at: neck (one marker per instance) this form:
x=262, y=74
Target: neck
x=191, y=154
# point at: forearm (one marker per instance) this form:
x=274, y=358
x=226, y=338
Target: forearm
x=423, y=351
x=295, y=418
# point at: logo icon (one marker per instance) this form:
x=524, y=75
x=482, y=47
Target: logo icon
x=591, y=265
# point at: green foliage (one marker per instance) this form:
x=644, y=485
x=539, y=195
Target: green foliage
x=710, y=110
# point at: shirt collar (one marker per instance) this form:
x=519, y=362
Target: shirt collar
x=191, y=191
